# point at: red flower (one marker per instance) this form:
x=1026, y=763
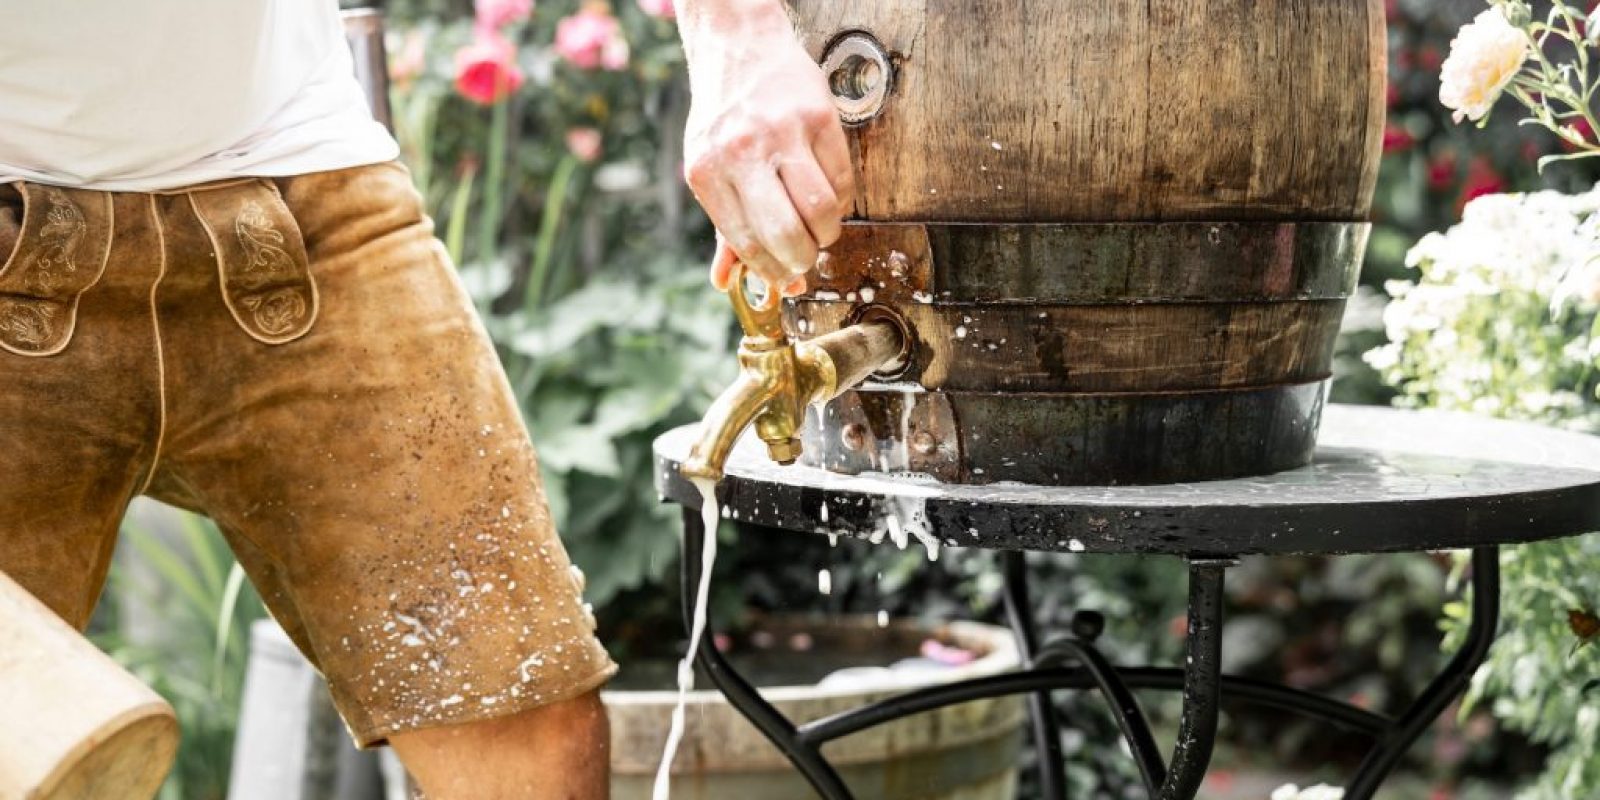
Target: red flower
x=486, y=69
x=1393, y=94
x=1481, y=179
x=1581, y=127
x=1429, y=58
x=1397, y=139
x=1442, y=172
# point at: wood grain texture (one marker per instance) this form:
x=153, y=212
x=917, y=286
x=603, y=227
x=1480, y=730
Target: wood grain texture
x=1147, y=347
x=1117, y=110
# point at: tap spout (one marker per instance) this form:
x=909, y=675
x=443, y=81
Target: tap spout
x=733, y=411
x=778, y=380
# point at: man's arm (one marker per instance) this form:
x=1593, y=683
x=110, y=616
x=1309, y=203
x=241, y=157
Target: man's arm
x=764, y=150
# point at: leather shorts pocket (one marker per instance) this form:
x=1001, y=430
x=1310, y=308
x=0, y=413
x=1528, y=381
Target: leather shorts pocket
x=60, y=240
x=261, y=259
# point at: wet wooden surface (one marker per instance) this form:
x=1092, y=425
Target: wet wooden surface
x=1382, y=480
x=1101, y=110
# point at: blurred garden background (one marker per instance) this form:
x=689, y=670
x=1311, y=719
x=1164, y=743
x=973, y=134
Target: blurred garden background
x=546, y=140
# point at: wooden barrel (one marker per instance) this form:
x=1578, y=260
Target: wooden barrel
x=1120, y=233
x=77, y=726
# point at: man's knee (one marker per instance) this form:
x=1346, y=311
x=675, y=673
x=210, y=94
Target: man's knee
x=558, y=750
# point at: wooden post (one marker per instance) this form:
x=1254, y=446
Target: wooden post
x=76, y=726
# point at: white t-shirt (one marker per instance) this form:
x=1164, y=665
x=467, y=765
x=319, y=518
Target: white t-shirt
x=142, y=95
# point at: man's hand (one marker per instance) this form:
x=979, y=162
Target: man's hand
x=764, y=151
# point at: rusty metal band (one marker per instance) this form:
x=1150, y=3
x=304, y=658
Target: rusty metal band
x=1068, y=439
x=1094, y=263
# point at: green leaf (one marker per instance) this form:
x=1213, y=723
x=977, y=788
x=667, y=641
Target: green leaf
x=173, y=571
x=578, y=447
x=225, y=618
x=205, y=551
x=626, y=409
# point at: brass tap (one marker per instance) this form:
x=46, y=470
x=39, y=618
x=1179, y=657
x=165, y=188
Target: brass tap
x=779, y=378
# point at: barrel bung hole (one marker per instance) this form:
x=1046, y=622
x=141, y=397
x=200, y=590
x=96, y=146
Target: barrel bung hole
x=856, y=77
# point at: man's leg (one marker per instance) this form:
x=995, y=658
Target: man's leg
x=376, y=481
x=79, y=385
x=557, y=752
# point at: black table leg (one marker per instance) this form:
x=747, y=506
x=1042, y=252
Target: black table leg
x=1202, y=687
x=1202, y=682
x=806, y=757
x=1447, y=687
x=1041, y=709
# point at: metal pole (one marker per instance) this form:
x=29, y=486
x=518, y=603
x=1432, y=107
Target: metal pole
x=1041, y=709
x=1447, y=687
x=1202, y=682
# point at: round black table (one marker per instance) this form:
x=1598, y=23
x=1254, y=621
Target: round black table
x=1383, y=481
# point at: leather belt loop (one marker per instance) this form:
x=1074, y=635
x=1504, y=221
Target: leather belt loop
x=60, y=253
x=261, y=259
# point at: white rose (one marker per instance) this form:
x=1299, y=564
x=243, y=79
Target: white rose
x=1484, y=57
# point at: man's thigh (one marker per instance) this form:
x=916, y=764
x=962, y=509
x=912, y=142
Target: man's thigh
x=376, y=478
x=79, y=386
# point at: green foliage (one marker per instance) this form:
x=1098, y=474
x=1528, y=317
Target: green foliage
x=602, y=372
x=1537, y=674
x=197, y=661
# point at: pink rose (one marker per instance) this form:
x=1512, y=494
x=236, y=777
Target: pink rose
x=661, y=9
x=592, y=38
x=584, y=143
x=486, y=69
x=496, y=14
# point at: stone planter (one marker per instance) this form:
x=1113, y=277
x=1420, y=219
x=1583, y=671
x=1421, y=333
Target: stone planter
x=965, y=752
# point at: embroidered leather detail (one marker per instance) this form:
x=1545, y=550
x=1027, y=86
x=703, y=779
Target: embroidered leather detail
x=277, y=312
x=53, y=262
x=26, y=323
x=265, y=275
x=264, y=257
x=60, y=254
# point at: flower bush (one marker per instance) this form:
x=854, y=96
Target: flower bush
x=1499, y=320
x=1502, y=320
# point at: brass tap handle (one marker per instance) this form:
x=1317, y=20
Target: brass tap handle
x=764, y=321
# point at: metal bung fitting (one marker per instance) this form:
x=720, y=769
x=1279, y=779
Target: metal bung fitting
x=860, y=75
x=878, y=313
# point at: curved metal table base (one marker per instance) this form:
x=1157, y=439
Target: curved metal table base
x=1201, y=681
